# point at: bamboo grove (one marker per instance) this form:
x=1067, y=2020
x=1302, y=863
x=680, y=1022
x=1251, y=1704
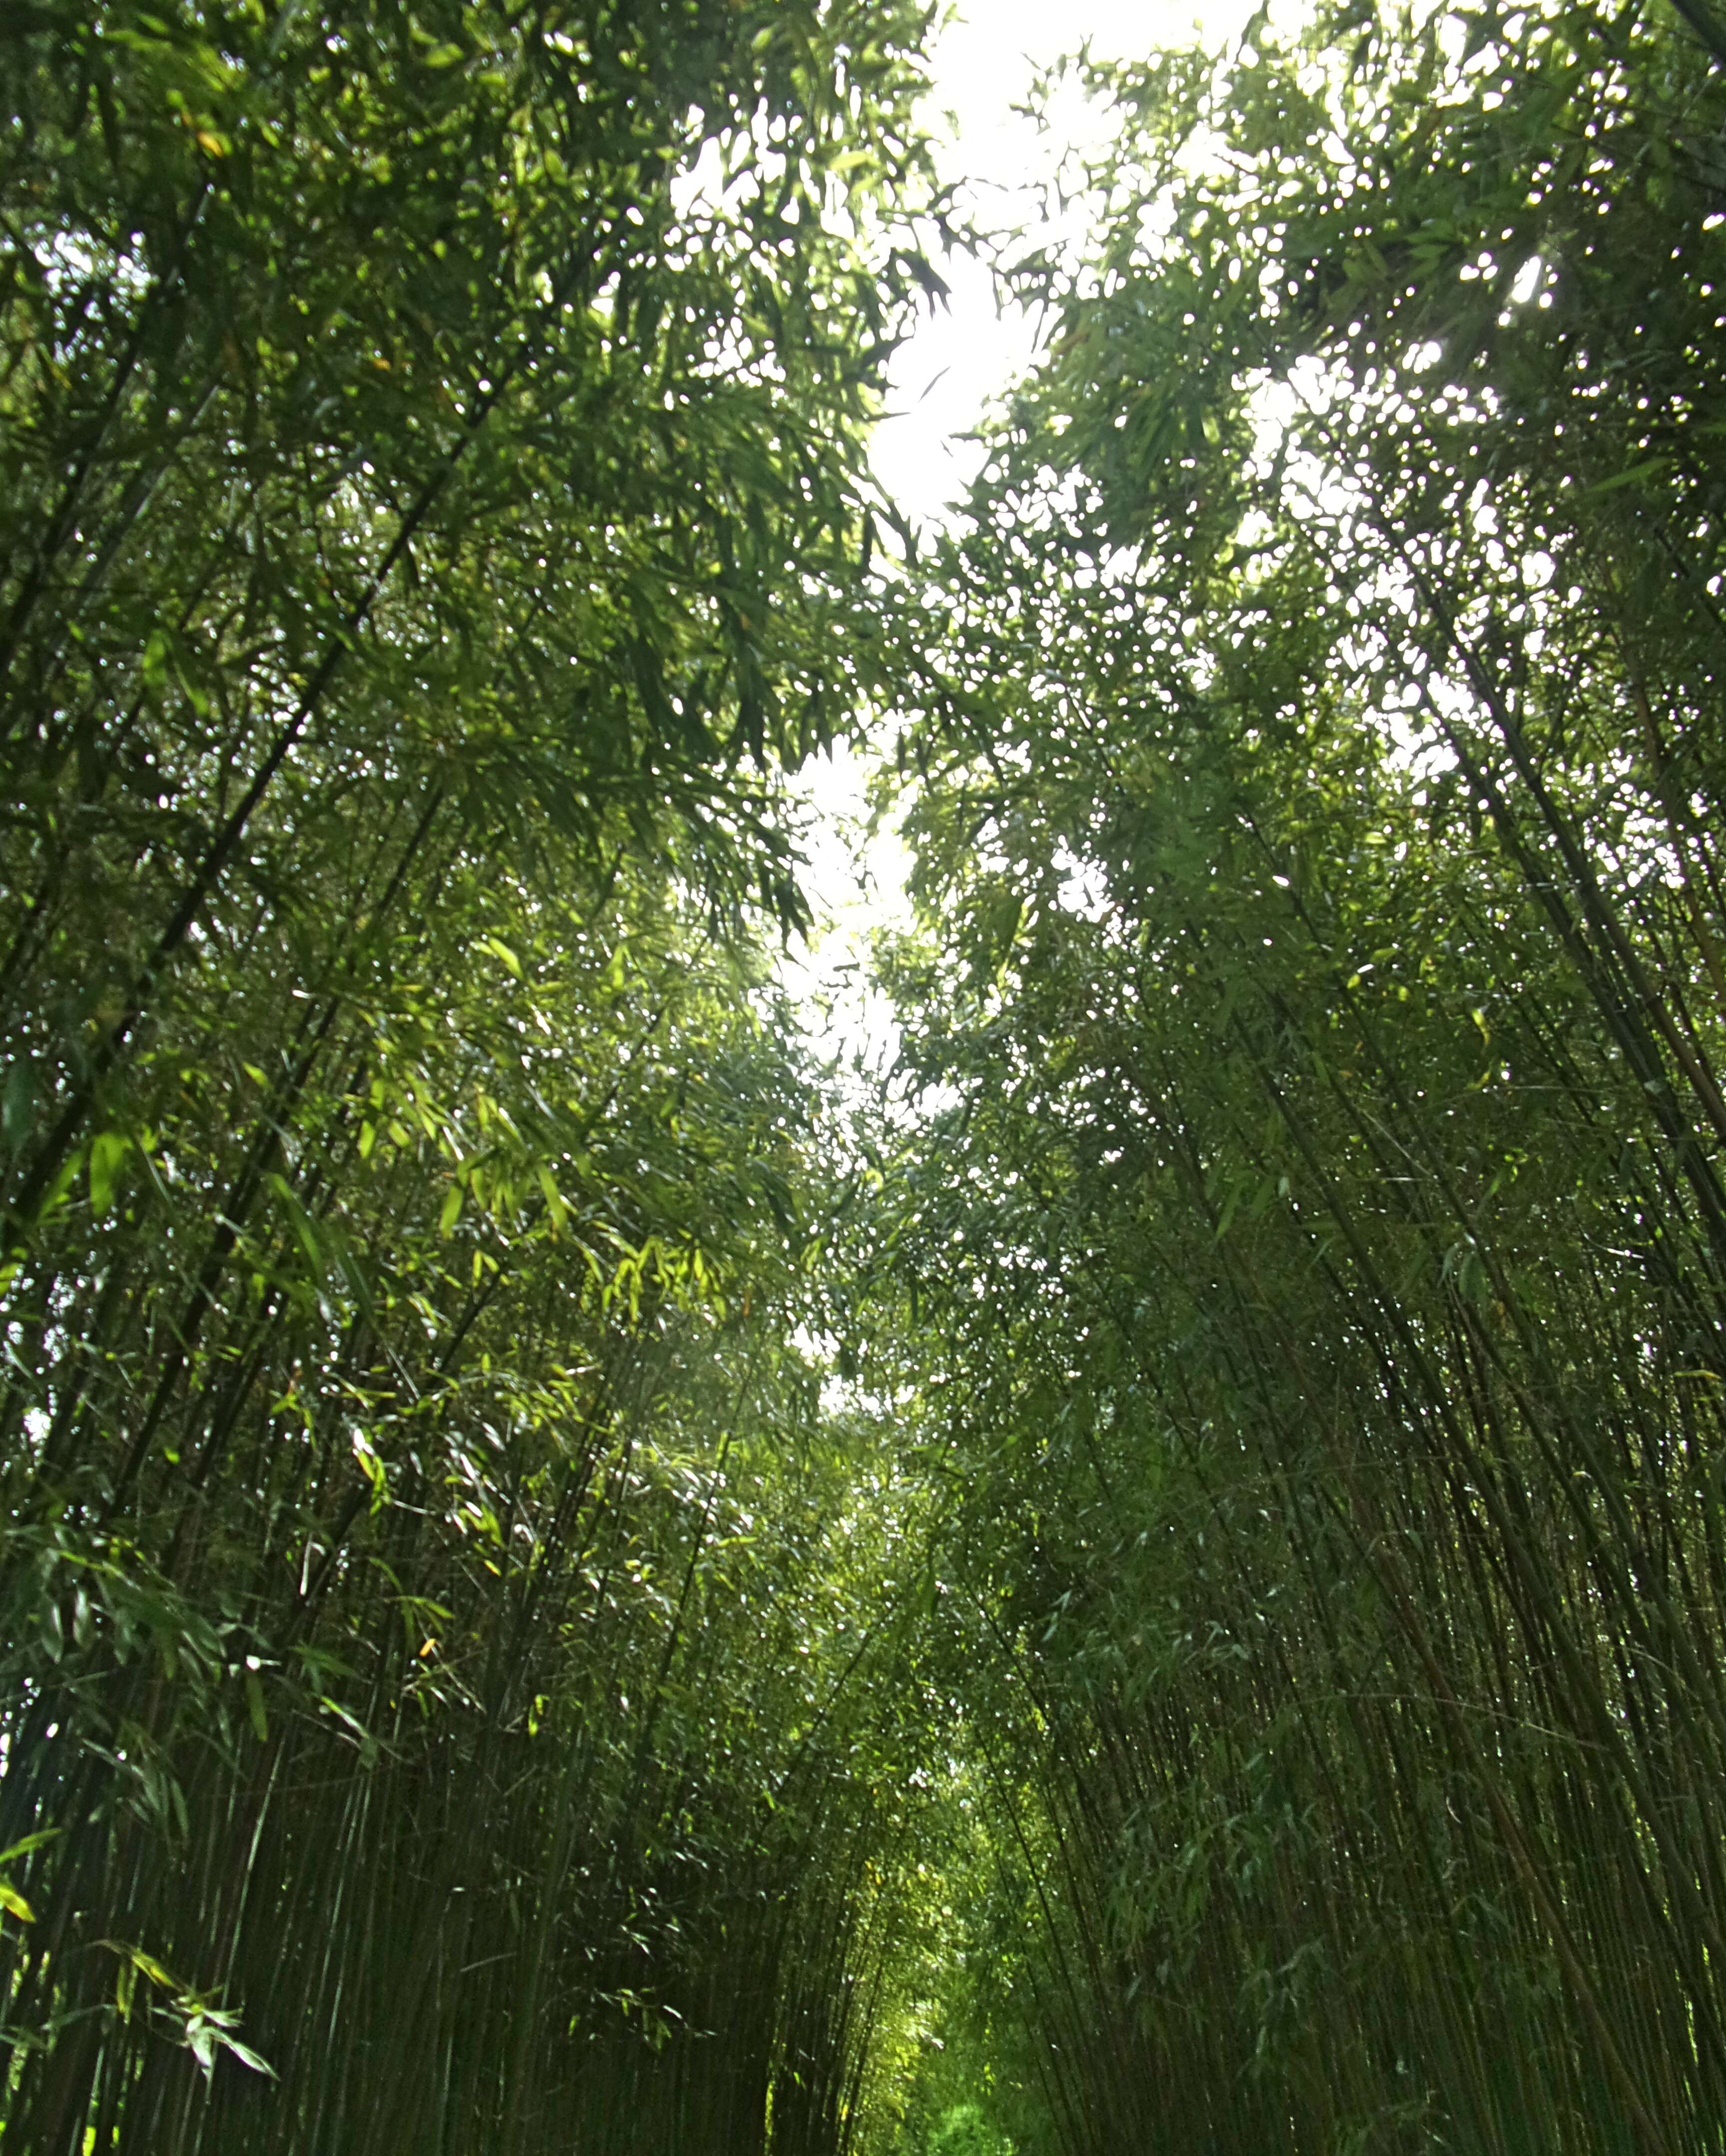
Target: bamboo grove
x=1321, y=848
x=430, y=536
x=573, y=1577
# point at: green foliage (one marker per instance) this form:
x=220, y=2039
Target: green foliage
x=1164, y=1584
x=1317, y=1246
x=435, y=507
x=964, y=2131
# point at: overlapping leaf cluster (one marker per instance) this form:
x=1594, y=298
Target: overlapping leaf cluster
x=437, y=1624
x=1321, y=975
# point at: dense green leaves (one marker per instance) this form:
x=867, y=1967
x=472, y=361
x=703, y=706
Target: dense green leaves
x=1322, y=1249
x=435, y=503
x=1161, y=1585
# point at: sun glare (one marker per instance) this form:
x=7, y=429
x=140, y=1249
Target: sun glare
x=964, y=355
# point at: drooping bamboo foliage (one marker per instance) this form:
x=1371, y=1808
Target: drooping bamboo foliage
x=560, y=1590
x=434, y=510
x=1320, y=828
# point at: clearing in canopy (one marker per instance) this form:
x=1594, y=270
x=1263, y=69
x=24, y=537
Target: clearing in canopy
x=580, y=1578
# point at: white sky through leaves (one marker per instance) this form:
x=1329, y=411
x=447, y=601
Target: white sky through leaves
x=963, y=356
